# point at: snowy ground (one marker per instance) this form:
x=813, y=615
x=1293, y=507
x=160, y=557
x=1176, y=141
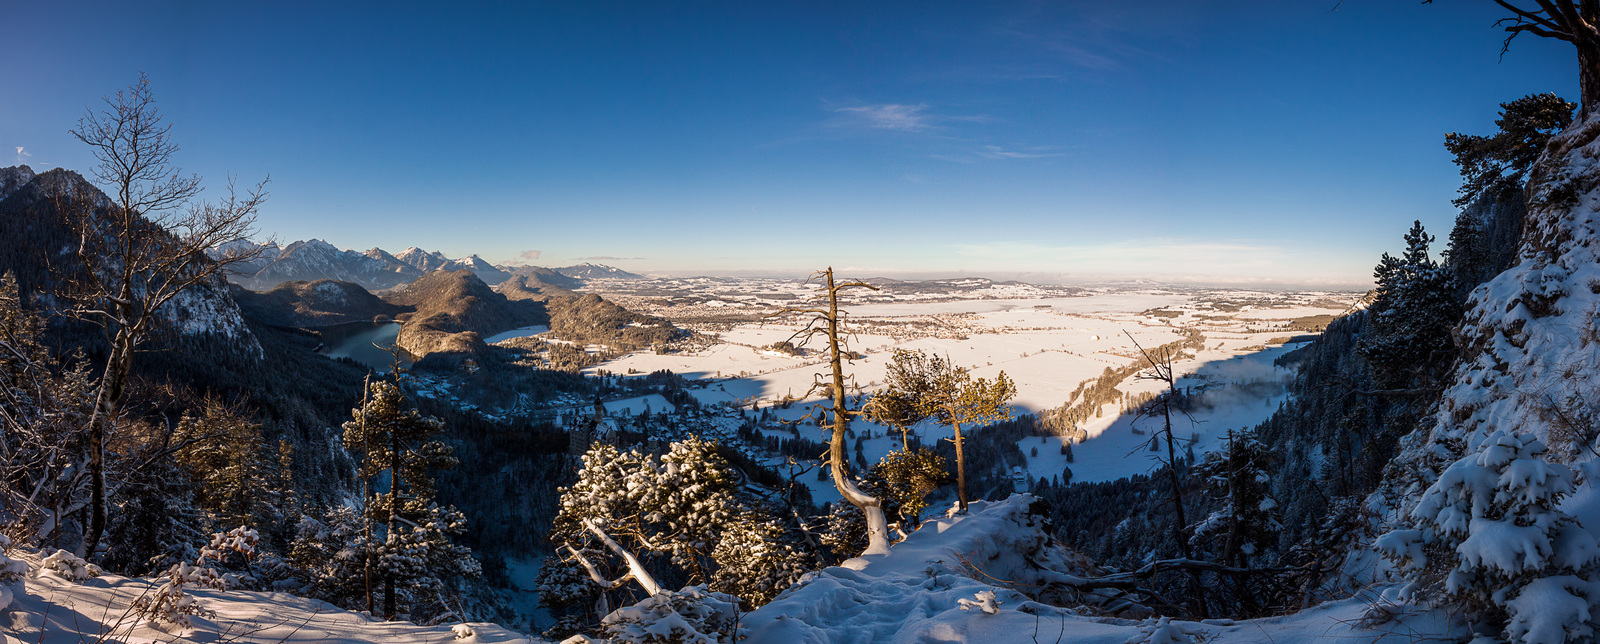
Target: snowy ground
x=51, y=610
x=923, y=591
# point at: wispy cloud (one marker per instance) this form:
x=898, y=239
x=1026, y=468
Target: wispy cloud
x=22, y=155
x=887, y=116
x=1034, y=152
x=530, y=254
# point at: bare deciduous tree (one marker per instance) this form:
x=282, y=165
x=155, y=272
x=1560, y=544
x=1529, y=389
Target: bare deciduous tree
x=826, y=320
x=1161, y=370
x=152, y=241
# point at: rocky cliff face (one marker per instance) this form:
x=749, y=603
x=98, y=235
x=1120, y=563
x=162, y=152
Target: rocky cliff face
x=13, y=178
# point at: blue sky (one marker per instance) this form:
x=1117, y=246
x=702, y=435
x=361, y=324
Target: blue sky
x=1221, y=142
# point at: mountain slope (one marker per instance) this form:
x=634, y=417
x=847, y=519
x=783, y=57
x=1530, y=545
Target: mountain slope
x=423, y=260
x=319, y=303
x=489, y=273
x=393, y=264
x=37, y=252
x=1530, y=364
x=545, y=276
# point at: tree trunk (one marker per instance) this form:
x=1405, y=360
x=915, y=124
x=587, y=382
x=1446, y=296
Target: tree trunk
x=389, y=538
x=112, y=385
x=961, y=469
x=1230, y=548
x=366, y=499
x=1588, y=78
x=1196, y=590
x=877, y=524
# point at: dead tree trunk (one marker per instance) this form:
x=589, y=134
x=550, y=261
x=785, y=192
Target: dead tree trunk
x=1162, y=370
x=961, y=469
x=826, y=322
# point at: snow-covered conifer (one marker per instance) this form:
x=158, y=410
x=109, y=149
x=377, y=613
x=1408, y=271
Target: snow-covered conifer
x=68, y=566
x=755, y=561
x=845, y=533
x=1491, y=532
x=1238, y=478
x=693, y=615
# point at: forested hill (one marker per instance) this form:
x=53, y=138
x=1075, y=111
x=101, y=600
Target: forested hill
x=455, y=311
x=312, y=304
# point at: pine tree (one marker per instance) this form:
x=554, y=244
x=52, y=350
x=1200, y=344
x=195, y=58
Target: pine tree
x=1238, y=478
x=1414, y=309
x=907, y=478
x=1491, y=532
x=331, y=547
x=44, y=406
x=1494, y=167
x=401, y=446
x=627, y=504
x=756, y=559
x=237, y=479
x=920, y=385
x=845, y=532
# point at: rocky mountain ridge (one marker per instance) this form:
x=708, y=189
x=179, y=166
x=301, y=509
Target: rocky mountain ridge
x=378, y=270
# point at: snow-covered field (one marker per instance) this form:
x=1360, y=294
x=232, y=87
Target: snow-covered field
x=1046, y=345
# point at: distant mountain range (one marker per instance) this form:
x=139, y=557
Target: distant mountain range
x=587, y=271
x=379, y=270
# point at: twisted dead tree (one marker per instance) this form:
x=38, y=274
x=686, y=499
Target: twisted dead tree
x=137, y=251
x=825, y=320
x=1574, y=22
x=1161, y=370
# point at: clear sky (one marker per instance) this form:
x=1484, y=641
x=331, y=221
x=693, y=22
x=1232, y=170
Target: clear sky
x=1280, y=142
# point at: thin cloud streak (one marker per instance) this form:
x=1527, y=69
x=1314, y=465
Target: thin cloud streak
x=888, y=116
x=997, y=152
